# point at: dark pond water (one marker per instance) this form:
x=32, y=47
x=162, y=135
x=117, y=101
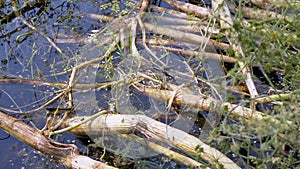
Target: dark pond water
x=29, y=55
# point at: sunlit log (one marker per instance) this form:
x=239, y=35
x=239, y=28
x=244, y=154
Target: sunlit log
x=126, y=124
x=66, y=153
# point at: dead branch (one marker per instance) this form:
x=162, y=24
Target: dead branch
x=275, y=97
x=202, y=102
x=125, y=124
x=116, y=124
x=44, y=35
x=66, y=153
x=185, y=24
x=168, y=152
x=160, y=41
x=283, y=4
x=260, y=14
x=54, y=84
x=189, y=37
x=144, y=6
x=97, y=16
x=190, y=53
x=171, y=12
x=220, y=7
x=190, y=8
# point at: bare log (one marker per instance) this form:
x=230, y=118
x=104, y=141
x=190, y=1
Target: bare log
x=125, y=124
x=185, y=24
x=66, y=153
x=190, y=8
x=190, y=53
x=202, y=102
x=188, y=37
x=171, y=12
x=168, y=152
x=206, y=103
x=97, y=16
x=160, y=41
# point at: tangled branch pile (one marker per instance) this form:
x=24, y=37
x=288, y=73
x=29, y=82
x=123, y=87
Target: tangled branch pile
x=186, y=60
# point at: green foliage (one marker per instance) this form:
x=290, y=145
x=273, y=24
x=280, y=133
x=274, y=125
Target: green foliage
x=117, y=7
x=273, y=44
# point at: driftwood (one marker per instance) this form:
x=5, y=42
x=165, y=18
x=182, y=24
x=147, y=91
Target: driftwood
x=126, y=124
x=190, y=8
x=168, y=152
x=202, y=102
x=161, y=41
x=190, y=53
x=65, y=153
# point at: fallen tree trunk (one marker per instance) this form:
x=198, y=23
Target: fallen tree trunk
x=126, y=124
x=65, y=153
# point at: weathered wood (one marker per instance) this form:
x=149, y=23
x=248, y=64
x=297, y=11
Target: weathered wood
x=125, y=124
x=66, y=153
x=188, y=37
x=215, y=56
x=202, y=102
x=190, y=8
x=260, y=14
x=188, y=161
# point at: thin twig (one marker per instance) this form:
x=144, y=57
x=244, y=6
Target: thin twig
x=44, y=35
x=220, y=7
x=78, y=124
